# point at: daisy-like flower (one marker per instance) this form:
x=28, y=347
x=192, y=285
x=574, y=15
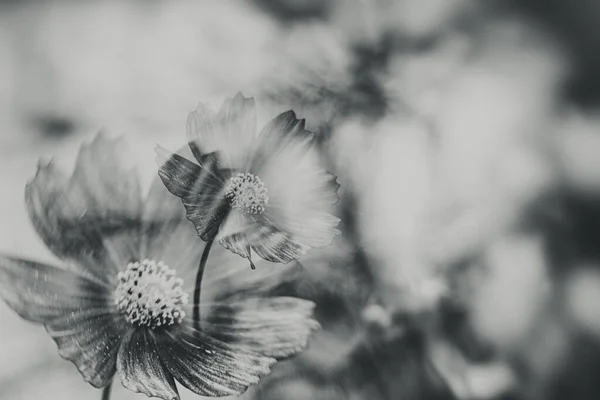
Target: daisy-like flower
x=118, y=303
x=265, y=192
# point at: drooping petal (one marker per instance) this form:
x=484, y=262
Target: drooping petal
x=301, y=192
x=76, y=311
x=235, y=233
x=275, y=245
x=231, y=131
x=141, y=368
x=277, y=327
x=200, y=188
x=243, y=233
x=207, y=366
x=73, y=215
x=267, y=241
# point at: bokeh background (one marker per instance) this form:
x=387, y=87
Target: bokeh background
x=465, y=135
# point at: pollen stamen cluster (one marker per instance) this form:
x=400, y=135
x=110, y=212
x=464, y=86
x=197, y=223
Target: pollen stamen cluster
x=247, y=193
x=149, y=294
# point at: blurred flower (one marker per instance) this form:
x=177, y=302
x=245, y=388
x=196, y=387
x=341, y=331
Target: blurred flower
x=469, y=380
x=119, y=301
x=508, y=301
x=266, y=193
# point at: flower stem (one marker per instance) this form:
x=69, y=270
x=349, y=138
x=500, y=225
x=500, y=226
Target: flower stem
x=199, y=275
x=106, y=392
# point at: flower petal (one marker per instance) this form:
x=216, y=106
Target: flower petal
x=90, y=339
x=76, y=311
x=168, y=234
x=241, y=234
x=141, y=368
x=200, y=188
x=276, y=327
x=237, y=307
x=275, y=245
x=120, y=249
x=281, y=134
x=40, y=292
x=207, y=366
x=235, y=232
x=301, y=192
x=232, y=131
x=73, y=215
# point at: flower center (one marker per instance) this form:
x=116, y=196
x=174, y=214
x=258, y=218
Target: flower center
x=247, y=193
x=149, y=294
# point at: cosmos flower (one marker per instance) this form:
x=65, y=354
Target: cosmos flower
x=119, y=300
x=265, y=192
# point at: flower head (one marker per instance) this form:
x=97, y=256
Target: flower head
x=265, y=192
x=119, y=301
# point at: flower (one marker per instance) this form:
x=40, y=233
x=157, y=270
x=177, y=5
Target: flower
x=266, y=193
x=119, y=301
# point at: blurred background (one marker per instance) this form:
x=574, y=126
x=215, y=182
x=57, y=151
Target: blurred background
x=465, y=135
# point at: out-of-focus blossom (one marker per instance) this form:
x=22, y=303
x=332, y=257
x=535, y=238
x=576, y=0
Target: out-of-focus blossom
x=467, y=380
x=266, y=193
x=437, y=185
x=508, y=301
x=392, y=182
x=576, y=149
x=118, y=303
x=487, y=174
x=582, y=295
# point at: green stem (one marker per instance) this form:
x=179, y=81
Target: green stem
x=199, y=275
x=106, y=392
